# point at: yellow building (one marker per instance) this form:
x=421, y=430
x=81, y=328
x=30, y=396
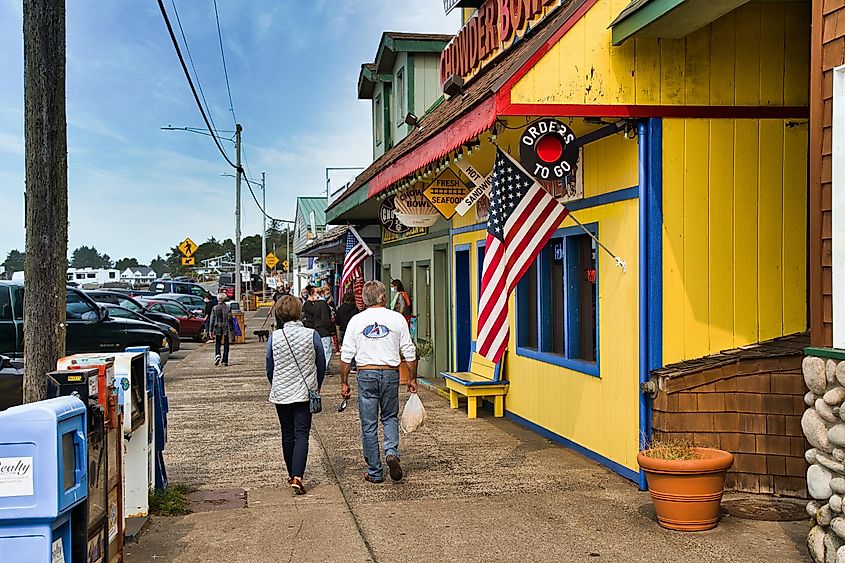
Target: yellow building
x=692, y=170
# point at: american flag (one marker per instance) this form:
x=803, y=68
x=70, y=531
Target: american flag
x=356, y=252
x=523, y=216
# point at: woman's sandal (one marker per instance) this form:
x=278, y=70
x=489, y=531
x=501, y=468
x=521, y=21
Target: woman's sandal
x=297, y=486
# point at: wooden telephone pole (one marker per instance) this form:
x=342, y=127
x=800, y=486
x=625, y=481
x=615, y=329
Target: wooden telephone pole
x=45, y=132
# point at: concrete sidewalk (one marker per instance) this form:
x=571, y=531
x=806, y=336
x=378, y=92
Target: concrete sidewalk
x=474, y=489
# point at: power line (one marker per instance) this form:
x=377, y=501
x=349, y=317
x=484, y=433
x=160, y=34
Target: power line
x=191, y=84
x=223, y=56
x=255, y=199
x=191, y=59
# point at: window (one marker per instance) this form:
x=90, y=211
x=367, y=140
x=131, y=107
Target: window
x=112, y=275
x=400, y=97
x=128, y=305
x=5, y=304
x=557, y=303
x=92, y=276
x=121, y=313
x=78, y=308
x=378, y=119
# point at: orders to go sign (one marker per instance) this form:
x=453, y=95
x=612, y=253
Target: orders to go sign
x=547, y=149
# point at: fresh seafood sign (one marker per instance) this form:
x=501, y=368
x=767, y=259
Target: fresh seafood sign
x=16, y=477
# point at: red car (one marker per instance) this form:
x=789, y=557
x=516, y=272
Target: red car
x=190, y=325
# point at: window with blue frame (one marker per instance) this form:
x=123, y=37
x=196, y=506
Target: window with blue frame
x=557, y=303
x=482, y=245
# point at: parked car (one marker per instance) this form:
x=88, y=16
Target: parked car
x=118, y=312
x=114, y=297
x=11, y=382
x=227, y=283
x=194, y=304
x=173, y=286
x=90, y=328
x=190, y=325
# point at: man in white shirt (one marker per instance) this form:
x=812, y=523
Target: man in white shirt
x=378, y=340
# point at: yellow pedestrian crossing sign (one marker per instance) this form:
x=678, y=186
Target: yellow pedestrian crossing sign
x=271, y=260
x=187, y=247
x=189, y=261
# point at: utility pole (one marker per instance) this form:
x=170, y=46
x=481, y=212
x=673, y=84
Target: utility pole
x=45, y=135
x=238, y=130
x=263, y=234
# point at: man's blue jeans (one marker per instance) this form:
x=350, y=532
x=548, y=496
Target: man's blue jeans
x=378, y=397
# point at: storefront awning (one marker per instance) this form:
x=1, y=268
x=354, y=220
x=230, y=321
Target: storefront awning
x=330, y=242
x=671, y=19
x=457, y=119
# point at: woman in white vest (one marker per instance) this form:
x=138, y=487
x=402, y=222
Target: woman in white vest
x=295, y=364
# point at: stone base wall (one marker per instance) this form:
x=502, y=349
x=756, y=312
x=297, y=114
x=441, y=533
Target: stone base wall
x=824, y=426
x=752, y=409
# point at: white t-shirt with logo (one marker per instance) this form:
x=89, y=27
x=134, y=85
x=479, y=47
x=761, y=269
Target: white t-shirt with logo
x=377, y=336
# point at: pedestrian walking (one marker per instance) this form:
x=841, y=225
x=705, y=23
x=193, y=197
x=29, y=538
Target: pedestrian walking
x=345, y=312
x=208, y=306
x=316, y=314
x=378, y=340
x=295, y=366
x=399, y=300
x=221, y=327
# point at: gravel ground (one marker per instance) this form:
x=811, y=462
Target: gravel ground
x=474, y=489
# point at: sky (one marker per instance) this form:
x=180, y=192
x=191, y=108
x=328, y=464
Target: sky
x=135, y=190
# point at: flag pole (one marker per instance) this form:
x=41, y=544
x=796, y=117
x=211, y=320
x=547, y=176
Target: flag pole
x=619, y=262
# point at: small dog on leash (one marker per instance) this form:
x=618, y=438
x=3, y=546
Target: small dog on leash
x=262, y=335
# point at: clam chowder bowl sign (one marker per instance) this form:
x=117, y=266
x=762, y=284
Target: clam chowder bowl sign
x=414, y=210
x=16, y=477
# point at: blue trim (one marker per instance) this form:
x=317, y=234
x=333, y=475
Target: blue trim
x=596, y=200
x=651, y=267
x=582, y=366
x=463, y=307
x=604, y=199
x=629, y=474
x=468, y=229
x=540, y=353
x=480, y=250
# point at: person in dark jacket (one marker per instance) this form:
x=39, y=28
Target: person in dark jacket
x=221, y=327
x=316, y=314
x=345, y=312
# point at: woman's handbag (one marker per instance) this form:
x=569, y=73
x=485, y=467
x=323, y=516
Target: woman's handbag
x=236, y=328
x=315, y=401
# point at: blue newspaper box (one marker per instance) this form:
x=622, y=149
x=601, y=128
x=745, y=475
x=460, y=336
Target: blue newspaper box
x=43, y=479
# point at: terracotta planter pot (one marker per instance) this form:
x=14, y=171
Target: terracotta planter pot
x=687, y=494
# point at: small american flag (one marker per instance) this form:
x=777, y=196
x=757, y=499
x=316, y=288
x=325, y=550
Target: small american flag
x=356, y=252
x=523, y=216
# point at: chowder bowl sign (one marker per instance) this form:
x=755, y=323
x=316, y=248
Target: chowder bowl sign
x=388, y=219
x=414, y=210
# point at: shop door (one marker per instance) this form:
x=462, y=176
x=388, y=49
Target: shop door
x=440, y=314
x=423, y=312
x=463, y=310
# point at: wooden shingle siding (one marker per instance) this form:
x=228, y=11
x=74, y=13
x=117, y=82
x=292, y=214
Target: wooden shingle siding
x=828, y=52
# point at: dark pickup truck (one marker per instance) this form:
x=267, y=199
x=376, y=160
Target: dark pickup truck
x=89, y=327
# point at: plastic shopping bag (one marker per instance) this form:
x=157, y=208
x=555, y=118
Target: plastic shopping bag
x=413, y=415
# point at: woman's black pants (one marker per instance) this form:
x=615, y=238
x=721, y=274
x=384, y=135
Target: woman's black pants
x=295, y=420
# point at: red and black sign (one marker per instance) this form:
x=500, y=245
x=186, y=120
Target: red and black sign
x=547, y=149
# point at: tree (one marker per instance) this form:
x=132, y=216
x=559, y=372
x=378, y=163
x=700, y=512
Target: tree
x=159, y=266
x=88, y=257
x=45, y=139
x=124, y=263
x=14, y=261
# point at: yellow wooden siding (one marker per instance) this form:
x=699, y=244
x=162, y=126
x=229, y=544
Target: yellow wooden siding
x=733, y=61
x=734, y=253
x=567, y=402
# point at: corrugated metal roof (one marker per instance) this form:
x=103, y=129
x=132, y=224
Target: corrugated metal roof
x=316, y=204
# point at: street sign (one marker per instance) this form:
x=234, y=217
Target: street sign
x=187, y=247
x=189, y=261
x=446, y=192
x=271, y=260
x=285, y=265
